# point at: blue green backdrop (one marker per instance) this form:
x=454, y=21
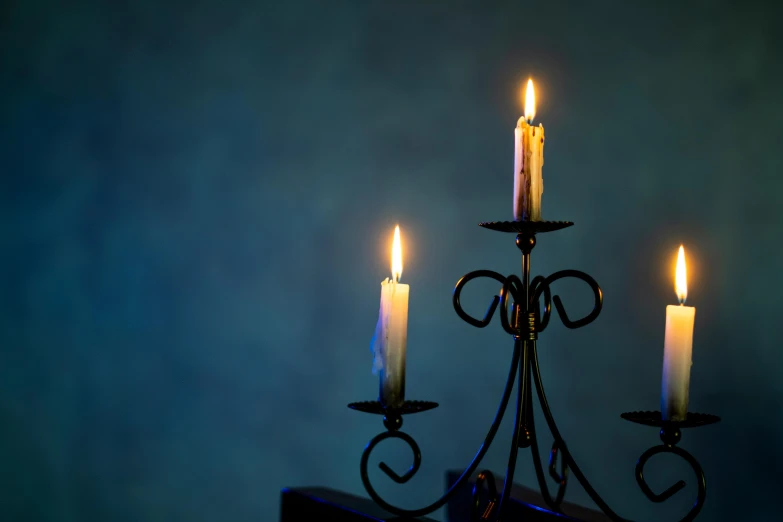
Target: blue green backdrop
x=196, y=200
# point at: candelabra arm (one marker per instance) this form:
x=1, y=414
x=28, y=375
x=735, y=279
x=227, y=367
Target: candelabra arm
x=560, y=443
x=561, y=478
x=417, y=457
x=521, y=400
x=525, y=244
x=670, y=436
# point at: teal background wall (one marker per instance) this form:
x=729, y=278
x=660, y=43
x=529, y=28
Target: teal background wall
x=196, y=200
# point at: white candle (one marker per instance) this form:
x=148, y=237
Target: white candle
x=678, y=347
x=391, y=333
x=528, y=162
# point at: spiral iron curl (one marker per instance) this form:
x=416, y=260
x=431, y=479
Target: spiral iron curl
x=512, y=287
x=417, y=455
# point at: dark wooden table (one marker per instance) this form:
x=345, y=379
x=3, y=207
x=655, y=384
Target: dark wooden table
x=317, y=504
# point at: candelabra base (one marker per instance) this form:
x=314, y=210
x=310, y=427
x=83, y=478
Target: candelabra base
x=523, y=504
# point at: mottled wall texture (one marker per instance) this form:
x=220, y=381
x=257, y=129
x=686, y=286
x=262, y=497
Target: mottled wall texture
x=196, y=204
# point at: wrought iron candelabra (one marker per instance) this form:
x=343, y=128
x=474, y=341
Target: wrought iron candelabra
x=524, y=315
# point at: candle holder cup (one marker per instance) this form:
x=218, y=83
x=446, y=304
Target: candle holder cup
x=392, y=417
x=525, y=311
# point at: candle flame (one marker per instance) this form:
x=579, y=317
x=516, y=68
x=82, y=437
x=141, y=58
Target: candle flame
x=396, y=264
x=530, y=102
x=680, y=279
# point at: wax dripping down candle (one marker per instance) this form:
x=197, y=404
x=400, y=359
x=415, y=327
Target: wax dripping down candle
x=391, y=333
x=528, y=162
x=678, y=348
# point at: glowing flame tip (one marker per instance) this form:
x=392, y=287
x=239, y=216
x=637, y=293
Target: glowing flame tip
x=680, y=277
x=530, y=101
x=396, y=264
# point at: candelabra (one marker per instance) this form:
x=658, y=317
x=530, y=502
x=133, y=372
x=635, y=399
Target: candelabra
x=525, y=311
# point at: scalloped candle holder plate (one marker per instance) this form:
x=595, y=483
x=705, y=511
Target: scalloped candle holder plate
x=408, y=407
x=653, y=418
x=526, y=227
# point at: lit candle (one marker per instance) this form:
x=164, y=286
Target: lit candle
x=528, y=162
x=391, y=333
x=678, y=346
